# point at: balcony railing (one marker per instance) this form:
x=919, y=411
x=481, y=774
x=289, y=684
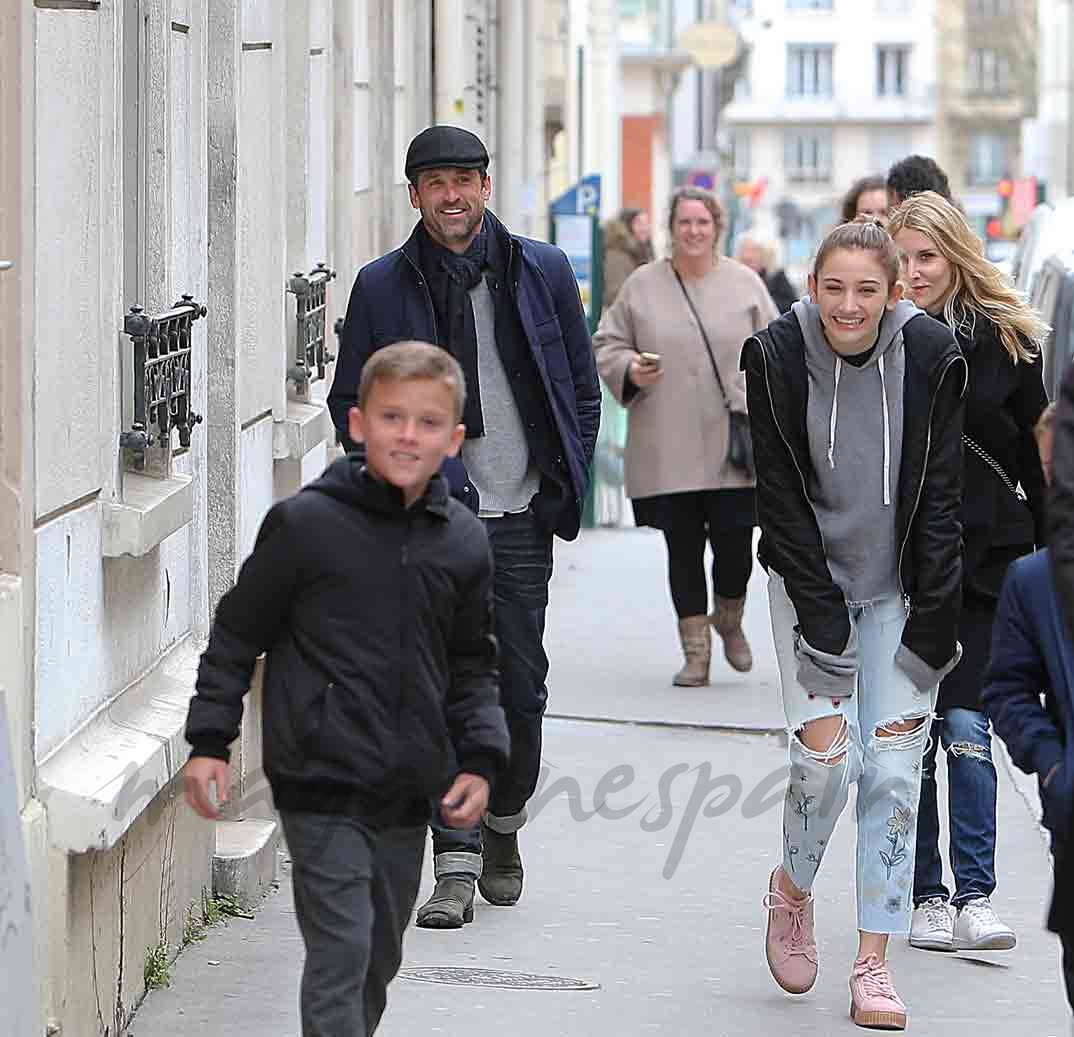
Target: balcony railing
x=311, y=353
x=160, y=385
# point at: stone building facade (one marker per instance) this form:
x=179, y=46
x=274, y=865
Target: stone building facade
x=173, y=172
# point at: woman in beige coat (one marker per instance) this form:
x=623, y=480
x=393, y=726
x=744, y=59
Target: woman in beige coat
x=652, y=356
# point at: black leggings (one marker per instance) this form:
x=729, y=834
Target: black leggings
x=732, y=563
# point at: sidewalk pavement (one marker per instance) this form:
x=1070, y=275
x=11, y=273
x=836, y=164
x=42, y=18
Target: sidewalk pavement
x=651, y=921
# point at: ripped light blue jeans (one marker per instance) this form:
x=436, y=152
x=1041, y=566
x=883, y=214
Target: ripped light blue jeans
x=869, y=750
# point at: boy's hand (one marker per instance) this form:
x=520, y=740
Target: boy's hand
x=197, y=774
x=465, y=802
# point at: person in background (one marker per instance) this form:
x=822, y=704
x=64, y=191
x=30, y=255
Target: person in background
x=627, y=245
x=760, y=255
x=1032, y=653
x=867, y=197
x=855, y=401
x=914, y=174
x=949, y=277
x=668, y=349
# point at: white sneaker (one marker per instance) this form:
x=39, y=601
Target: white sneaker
x=932, y=926
x=978, y=928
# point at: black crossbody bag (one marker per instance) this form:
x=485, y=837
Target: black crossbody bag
x=739, y=441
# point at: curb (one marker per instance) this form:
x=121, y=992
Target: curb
x=753, y=730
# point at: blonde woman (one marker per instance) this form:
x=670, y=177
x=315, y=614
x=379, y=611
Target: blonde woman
x=668, y=349
x=945, y=272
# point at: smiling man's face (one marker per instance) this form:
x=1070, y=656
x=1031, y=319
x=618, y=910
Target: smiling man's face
x=452, y=204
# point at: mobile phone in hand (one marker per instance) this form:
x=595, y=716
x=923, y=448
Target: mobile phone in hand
x=652, y=359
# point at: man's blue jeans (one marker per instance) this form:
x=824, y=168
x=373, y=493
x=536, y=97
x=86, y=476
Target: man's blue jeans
x=522, y=558
x=971, y=802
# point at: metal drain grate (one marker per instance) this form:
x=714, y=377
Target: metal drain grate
x=466, y=977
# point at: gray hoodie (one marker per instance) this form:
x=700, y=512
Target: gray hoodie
x=854, y=421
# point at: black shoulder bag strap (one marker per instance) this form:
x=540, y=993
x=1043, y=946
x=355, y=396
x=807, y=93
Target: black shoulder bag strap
x=704, y=338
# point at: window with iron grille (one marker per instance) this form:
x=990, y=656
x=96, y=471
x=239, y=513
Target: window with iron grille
x=892, y=70
x=809, y=70
x=807, y=155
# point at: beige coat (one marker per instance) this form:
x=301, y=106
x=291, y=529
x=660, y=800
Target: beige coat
x=677, y=429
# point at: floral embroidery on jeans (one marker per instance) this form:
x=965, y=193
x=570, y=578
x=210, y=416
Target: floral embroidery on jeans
x=801, y=808
x=900, y=825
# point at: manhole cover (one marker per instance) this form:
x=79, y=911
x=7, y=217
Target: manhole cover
x=493, y=978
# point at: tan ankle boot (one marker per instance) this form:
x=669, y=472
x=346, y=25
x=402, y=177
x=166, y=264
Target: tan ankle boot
x=696, y=641
x=727, y=622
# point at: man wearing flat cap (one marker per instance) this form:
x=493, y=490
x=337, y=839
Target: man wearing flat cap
x=507, y=308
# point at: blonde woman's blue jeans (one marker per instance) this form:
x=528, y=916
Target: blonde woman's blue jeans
x=873, y=751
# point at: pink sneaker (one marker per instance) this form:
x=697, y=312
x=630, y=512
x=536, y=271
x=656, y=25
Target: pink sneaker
x=789, y=942
x=873, y=1001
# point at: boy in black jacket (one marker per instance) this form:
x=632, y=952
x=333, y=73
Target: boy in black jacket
x=371, y=592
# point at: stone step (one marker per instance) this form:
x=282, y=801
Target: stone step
x=245, y=862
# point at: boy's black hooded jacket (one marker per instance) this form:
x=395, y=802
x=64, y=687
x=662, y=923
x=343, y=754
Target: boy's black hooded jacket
x=380, y=681
x=929, y=492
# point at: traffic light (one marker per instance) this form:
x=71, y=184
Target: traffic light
x=1005, y=188
x=994, y=228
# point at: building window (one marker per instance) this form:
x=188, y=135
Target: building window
x=988, y=158
x=892, y=70
x=740, y=7
x=809, y=5
x=989, y=8
x=739, y=157
x=887, y=146
x=809, y=71
x=989, y=72
x=742, y=80
x=807, y=155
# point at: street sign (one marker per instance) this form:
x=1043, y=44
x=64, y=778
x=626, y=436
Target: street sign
x=575, y=215
x=582, y=197
x=710, y=44
x=702, y=178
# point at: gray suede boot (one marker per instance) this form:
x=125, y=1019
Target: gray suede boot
x=696, y=641
x=451, y=904
x=452, y=901
x=501, y=871
x=727, y=622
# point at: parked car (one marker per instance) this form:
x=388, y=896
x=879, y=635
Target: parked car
x=1049, y=230
x=1053, y=298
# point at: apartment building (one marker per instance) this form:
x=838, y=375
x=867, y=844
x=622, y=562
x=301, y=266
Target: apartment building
x=830, y=90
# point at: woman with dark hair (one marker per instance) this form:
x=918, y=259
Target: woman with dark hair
x=867, y=197
x=1002, y=515
x=668, y=349
x=627, y=245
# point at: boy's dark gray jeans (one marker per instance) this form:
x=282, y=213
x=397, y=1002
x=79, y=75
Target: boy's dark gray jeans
x=354, y=893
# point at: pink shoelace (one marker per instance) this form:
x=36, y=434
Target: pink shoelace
x=875, y=979
x=776, y=901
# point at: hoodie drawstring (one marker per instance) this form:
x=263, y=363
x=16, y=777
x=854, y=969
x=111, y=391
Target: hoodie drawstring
x=887, y=424
x=887, y=433
x=835, y=414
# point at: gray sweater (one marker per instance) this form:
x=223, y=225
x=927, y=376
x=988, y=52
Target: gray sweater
x=854, y=421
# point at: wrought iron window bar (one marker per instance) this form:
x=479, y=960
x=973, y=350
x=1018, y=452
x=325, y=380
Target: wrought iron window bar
x=161, y=379
x=311, y=351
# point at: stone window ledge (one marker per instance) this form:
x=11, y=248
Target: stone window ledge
x=151, y=510
x=97, y=784
x=304, y=428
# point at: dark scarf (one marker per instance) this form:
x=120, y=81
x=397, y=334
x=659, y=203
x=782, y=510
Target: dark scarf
x=451, y=277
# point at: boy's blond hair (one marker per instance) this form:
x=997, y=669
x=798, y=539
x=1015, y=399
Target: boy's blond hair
x=411, y=361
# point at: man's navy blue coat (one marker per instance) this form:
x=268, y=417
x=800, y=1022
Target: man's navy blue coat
x=391, y=302
x=1032, y=655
